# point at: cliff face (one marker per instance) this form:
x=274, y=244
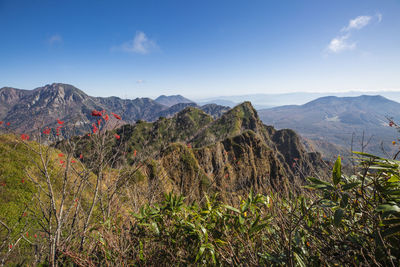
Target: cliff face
x=193, y=153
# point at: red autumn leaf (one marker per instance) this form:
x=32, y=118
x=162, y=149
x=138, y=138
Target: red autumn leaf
x=10, y=246
x=96, y=113
x=105, y=117
x=134, y=153
x=116, y=116
x=81, y=156
x=60, y=122
x=73, y=161
x=24, y=137
x=99, y=122
x=95, y=129
x=60, y=154
x=8, y=124
x=117, y=136
x=35, y=235
x=47, y=131
x=27, y=234
x=22, y=181
x=61, y=161
x=1, y=122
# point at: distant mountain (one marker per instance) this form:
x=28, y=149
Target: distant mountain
x=262, y=101
x=172, y=100
x=339, y=120
x=28, y=110
x=218, y=101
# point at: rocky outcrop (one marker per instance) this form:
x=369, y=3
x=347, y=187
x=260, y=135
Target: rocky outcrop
x=230, y=155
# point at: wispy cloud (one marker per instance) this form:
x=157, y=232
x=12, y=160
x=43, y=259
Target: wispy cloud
x=54, y=39
x=342, y=42
x=140, y=44
x=140, y=81
x=357, y=23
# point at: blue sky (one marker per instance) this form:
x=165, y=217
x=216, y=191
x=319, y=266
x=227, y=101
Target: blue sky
x=201, y=48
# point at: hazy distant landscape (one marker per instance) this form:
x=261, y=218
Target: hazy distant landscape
x=199, y=133
x=298, y=98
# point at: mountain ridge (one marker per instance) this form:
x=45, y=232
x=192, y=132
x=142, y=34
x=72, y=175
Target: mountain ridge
x=65, y=102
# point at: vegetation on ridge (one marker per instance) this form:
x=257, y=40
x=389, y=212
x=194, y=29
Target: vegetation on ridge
x=89, y=208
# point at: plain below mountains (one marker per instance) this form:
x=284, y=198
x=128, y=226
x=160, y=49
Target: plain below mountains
x=336, y=124
x=28, y=110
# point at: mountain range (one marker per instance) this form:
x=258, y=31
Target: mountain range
x=337, y=124
x=262, y=101
x=28, y=110
x=332, y=125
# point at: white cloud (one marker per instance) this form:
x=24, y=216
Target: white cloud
x=140, y=81
x=140, y=44
x=358, y=23
x=56, y=38
x=340, y=44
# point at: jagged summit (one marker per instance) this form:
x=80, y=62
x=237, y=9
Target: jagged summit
x=233, y=122
x=232, y=153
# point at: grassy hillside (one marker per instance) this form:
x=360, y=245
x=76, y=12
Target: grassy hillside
x=149, y=194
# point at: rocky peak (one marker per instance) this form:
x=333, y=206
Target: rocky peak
x=9, y=95
x=233, y=122
x=60, y=93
